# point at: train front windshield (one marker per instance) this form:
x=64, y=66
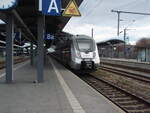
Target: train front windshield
x=85, y=45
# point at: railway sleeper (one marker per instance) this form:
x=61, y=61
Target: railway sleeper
x=129, y=102
x=131, y=75
x=122, y=99
x=113, y=93
x=136, y=107
x=108, y=91
x=140, y=111
x=117, y=96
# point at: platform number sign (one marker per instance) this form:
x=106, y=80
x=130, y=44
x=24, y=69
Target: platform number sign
x=48, y=36
x=51, y=7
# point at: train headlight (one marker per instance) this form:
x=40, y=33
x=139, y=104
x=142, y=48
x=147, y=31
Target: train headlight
x=78, y=54
x=94, y=54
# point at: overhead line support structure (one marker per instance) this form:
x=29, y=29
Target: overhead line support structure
x=118, y=23
x=127, y=12
x=136, y=13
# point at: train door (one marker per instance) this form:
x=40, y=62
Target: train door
x=68, y=52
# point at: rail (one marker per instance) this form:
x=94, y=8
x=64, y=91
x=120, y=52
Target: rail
x=129, y=102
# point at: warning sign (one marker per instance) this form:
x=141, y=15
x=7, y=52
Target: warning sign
x=72, y=9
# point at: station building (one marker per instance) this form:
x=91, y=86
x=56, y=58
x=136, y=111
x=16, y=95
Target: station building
x=115, y=48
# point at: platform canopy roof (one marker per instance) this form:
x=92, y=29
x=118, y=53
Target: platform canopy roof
x=26, y=15
x=110, y=42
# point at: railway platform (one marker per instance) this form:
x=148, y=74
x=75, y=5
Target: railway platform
x=124, y=60
x=61, y=92
x=127, y=62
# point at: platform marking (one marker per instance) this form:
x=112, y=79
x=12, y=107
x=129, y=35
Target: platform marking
x=16, y=68
x=70, y=96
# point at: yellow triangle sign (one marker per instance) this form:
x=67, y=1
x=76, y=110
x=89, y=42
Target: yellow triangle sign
x=72, y=9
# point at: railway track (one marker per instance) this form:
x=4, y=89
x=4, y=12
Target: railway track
x=136, y=66
x=129, y=102
x=128, y=73
x=18, y=60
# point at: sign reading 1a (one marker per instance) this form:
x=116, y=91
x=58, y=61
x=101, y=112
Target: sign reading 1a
x=51, y=7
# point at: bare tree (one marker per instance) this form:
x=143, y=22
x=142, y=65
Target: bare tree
x=143, y=43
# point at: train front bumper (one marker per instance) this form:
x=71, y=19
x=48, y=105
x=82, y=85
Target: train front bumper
x=84, y=64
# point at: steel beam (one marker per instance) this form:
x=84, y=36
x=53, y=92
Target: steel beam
x=21, y=23
x=125, y=43
x=118, y=26
x=3, y=16
x=31, y=53
x=40, y=54
x=9, y=48
x=137, y=13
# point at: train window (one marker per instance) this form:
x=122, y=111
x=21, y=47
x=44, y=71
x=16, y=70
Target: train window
x=85, y=45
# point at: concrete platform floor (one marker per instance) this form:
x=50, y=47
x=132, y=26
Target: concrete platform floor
x=61, y=92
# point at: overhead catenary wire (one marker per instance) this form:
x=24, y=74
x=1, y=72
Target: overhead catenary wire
x=97, y=3
x=129, y=4
x=133, y=12
x=134, y=4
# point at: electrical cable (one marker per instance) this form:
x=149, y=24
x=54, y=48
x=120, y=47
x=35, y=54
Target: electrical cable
x=92, y=9
x=129, y=4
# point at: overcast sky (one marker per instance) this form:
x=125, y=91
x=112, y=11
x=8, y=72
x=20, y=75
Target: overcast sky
x=97, y=14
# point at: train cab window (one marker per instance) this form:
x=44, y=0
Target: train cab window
x=85, y=45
